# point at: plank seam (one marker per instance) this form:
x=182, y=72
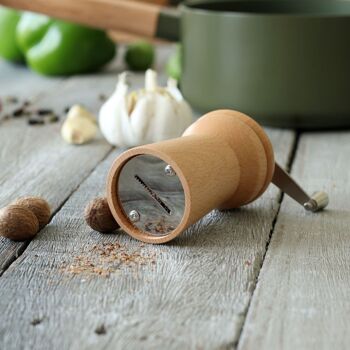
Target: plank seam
x=289, y=166
x=23, y=246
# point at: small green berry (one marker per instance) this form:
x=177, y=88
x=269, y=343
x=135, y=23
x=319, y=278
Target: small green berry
x=139, y=56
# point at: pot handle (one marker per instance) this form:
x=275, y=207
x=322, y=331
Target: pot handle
x=168, y=25
x=140, y=18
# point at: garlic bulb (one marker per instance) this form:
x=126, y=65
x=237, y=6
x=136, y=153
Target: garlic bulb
x=79, y=127
x=144, y=116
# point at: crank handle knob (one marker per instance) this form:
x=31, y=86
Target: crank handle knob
x=318, y=201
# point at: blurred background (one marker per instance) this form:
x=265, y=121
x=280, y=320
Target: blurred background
x=285, y=63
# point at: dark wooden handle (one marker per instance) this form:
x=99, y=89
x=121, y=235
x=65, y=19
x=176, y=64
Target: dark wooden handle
x=140, y=18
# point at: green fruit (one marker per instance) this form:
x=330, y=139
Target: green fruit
x=55, y=47
x=8, y=45
x=139, y=56
x=173, y=66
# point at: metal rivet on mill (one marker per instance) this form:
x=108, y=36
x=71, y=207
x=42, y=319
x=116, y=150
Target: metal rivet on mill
x=169, y=171
x=225, y=160
x=134, y=216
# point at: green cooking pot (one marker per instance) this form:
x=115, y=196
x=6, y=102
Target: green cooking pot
x=285, y=63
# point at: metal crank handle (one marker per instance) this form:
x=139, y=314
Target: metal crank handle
x=318, y=201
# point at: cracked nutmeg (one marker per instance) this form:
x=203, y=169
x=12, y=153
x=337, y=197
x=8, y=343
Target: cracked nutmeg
x=99, y=217
x=38, y=206
x=18, y=223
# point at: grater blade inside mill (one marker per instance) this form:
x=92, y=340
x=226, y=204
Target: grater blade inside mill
x=151, y=195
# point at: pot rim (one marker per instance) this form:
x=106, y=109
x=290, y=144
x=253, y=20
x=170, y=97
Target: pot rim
x=324, y=9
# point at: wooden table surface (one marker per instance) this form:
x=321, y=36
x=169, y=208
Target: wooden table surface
x=267, y=276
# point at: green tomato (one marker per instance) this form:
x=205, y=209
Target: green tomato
x=139, y=56
x=173, y=66
x=8, y=45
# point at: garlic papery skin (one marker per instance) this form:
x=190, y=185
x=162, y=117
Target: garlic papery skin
x=79, y=127
x=129, y=119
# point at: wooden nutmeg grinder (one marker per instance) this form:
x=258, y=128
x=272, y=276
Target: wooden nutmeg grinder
x=224, y=160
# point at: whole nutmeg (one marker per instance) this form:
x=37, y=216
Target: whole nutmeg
x=99, y=217
x=38, y=206
x=18, y=223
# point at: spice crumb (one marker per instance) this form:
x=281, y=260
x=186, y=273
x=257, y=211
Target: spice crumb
x=52, y=118
x=35, y=121
x=106, y=258
x=36, y=321
x=45, y=111
x=34, y=116
x=102, y=97
x=100, y=330
x=18, y=112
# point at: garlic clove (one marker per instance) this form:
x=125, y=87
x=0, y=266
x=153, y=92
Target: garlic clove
x=131, y=100
x=114, y=117
x=166, y=122
x=174, y=90
x=79, y=127
x=109, y=117
x=151, y=83
x=78, y=111
x=141, y=117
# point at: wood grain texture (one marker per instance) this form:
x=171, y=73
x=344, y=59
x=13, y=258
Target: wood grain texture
x=302, y=296
x=194, y=296
x=126, y=38
x=35, y=160
x=209, y=181
x=126, y=15
x=251, y=146
x=27, y=86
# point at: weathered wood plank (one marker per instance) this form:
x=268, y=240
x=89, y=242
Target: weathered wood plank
x=302, y=296
x=194, y=296
x=17, y=81
x=27, y=169
x=35, y=160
